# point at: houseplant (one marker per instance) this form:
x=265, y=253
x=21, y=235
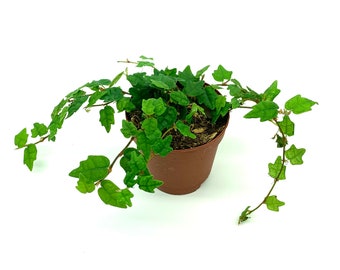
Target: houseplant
x=166, y=109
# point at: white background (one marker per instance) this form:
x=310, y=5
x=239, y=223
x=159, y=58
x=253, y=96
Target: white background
x=49, y=48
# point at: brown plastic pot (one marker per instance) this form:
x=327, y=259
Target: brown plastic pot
x=183, y=171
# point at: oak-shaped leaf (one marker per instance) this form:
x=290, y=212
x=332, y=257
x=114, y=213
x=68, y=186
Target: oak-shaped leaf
x=299, y=104
x=85, y=185
x=94, y=168
x=20, y=139
x=287, y=126
x=38, y=129
x=221, y=74
x=277, y=170
x=148, y=183
x=271, y=92
x=179, y=98
x=107, y=118
x=111, y=194
x=153, y=106
x=273, y=203
x=265, y=110
x=295, y=155
x=30, y=155
x=184, y=129
x=128, y=129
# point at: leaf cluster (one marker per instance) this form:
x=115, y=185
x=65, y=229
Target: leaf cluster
x=157, y=102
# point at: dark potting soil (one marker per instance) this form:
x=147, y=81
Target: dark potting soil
x=204, y=130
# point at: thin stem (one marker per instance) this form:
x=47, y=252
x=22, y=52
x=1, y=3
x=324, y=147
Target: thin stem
x=120, y=154
x=40, y=141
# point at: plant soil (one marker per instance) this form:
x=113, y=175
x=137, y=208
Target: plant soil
x=201, y=126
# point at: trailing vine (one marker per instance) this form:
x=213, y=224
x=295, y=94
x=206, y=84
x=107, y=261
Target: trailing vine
x=167, y=100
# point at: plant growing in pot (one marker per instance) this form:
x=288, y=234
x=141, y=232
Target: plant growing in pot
x=174, y=121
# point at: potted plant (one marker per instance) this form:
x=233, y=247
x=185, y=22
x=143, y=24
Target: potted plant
x=168, y=112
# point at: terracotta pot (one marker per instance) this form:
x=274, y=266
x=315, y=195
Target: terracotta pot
x=183, y=171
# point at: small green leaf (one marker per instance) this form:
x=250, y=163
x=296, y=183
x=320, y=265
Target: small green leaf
x=143, y=144
x=150, y=127
x=180, y=98
x=271, y=92
x=273, y=203
x=208, y=98
x=145, y=64
x=110, y=194
x=148, y=183
x=30, y=155
x=38, y=130
x=153, y=106
x=94, y=168
x=137, y=162
x=20, y=139
x=201, y=71
x=95, y=97
x=85, y=185
x=194, y=89
x=299, y=104
x=277, y=170
x=163, y=146
x=116, y=79
x=194, y=109
x=76, y=104
x=265, y=110
x=58, y=108
x=167, y=119
x=125, y=104
x=107, y=118
x=295, y=155
x=184, y=129
x=221, y=74
x=112, y=94
x=244, y=215
x=128, y=129
x=287, y=126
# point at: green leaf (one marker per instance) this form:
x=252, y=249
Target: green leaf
x=299, y=104
x=137, y=162
x=153, y=106
x=125, y=104
x=58, y=108
x=145, y=64
x=295, y=155
x=85, y=185
x=94, y=168
x=128, y=129
x=184, y=129
x=112, y=94
x=265, y=110
x=116, y=79
x=143, y=144
x=194, y=109
x=163, y=146
x=208, y=98
x=30, y=155
x=271, y=92
x=180, y=98
x=273, y=203
x=201, y=71
x=194, y=89
x=38, y=130
x=150, y=127
x=287, y=126
x=107, y=118
x=244, y=215
x=163, y=81
x=148, y=183
x=277, y=170
x=110, y=194
x=20, y=139
x=221, y=74
x=76, y=104
x=167, y=119
x=95, y=97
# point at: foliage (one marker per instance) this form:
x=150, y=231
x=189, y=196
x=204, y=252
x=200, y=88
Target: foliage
x=168, y=99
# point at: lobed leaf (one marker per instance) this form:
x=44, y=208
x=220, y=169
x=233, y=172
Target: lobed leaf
x=128, y=129
x=38, y=130
x=265, y=110
x=20, y=139
x=299, y=104
x=94, y=168
x=107, y=118
x=179, y=98
x=150, y=127
x=30, y=155
x=277, y=170
x=85, y=185
x=184, y=129
x=287, y=126
x=273, y=203
x=295, y=155
x=201, y=71
x=194, y=89
x=163, y=146
x=76, y=104
x=221, y=74
x=271, y=92
x=208, y=98
x=148, y=183
x=153, y=106
x=110, y=194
